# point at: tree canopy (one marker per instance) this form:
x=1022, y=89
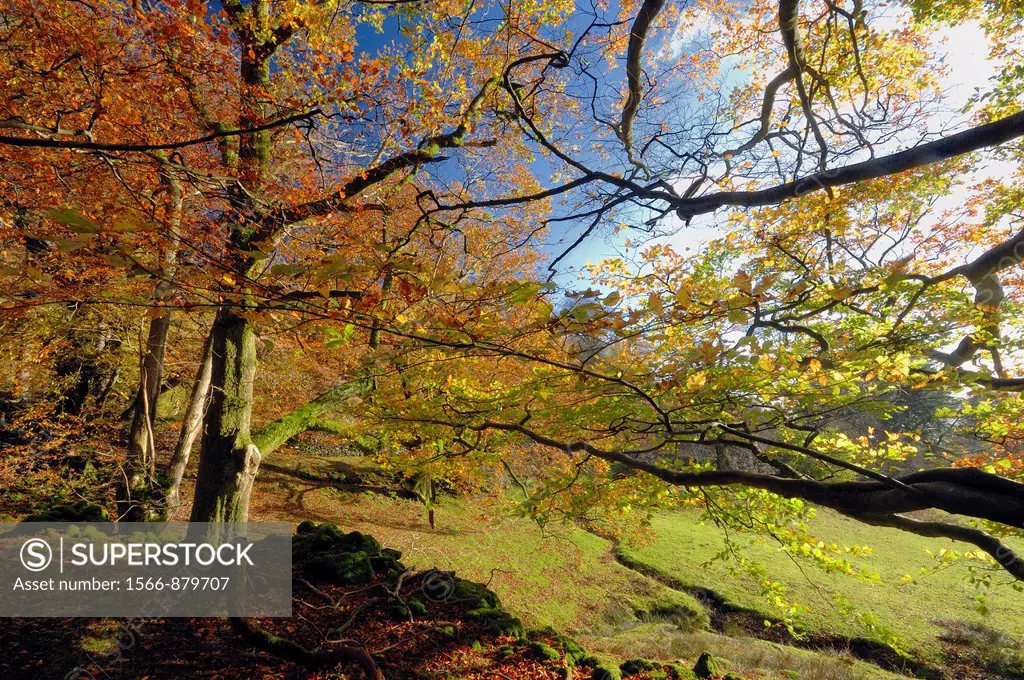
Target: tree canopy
x=375, y=212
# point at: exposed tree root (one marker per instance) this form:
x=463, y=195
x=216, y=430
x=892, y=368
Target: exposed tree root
x=295, y=653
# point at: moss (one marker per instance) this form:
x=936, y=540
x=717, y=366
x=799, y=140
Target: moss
x=475, y=595
x=634, y=666
x=341, y=568
x=82, y=511
x=398, y=612
x=706, y=666
x=498, y=621
x=346, y=558
x=606, y=672
x=680, y=672
x=544, y=652
x=416, y=607
x=575, y=654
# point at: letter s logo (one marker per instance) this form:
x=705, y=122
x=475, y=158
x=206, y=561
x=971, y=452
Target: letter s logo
x=36, y=554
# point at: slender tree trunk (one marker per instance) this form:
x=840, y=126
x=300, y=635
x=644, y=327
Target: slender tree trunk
x=134, y=494
x=189, y=428
x=228, y=460
x=138, y=497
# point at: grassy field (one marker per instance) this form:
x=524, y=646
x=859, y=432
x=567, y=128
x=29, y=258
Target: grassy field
x=568, y=579
x=750, y=657
x=571, y=580
x=914, y=610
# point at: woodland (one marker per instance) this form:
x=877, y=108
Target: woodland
x=694, y=309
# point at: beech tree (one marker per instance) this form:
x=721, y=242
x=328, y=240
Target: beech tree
x=251, y=164
x=865, y=246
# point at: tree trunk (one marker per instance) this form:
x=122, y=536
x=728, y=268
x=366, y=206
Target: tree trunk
x=189, y=429
x=140, y=467
x=228, y=460
x=139, y=497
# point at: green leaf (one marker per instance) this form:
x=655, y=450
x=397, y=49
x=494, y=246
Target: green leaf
x=73, y=220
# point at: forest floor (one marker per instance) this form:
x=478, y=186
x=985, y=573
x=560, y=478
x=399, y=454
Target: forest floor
x=666, y=599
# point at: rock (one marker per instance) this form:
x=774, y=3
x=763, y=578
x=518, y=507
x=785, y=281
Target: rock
x=680, y=672
x=82, y=511
x=417, y=607
x=575, y=654
x=475, y=595
x=706, y=666
x=344, y=568
x=544, y=652
x=634, y=666
x=606, y=672
x=498, y=621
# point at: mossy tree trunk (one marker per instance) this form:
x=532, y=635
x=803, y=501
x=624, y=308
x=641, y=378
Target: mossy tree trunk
x=229, y=460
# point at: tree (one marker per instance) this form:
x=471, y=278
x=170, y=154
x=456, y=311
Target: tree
x=319, y=192
x=838, y=282
x=269, y=229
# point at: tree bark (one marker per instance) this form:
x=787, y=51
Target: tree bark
x=277, y=433
x=229, y=459
x=136, y=500
x=189, y=428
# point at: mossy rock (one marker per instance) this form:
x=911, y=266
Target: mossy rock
x=320, y=545
x=360, y=542
x=417, y=607
x=575, y=654
x=634, y=666
x=544, y=652
x=475, y=595
x=732, y=676
x=322, y=538
x=680, y=672
x=606, y=672
x=82, y=511
x=346, y=568
x=706, y=666
x=498, y=621
x=398, y=612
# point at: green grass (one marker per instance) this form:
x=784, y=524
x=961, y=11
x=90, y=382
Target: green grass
x=565, y=578
x=751, y=658
x=684, y=548
x=569, y=579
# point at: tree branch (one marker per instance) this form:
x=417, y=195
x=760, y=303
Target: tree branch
x=980, y=137
x=160, y=146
